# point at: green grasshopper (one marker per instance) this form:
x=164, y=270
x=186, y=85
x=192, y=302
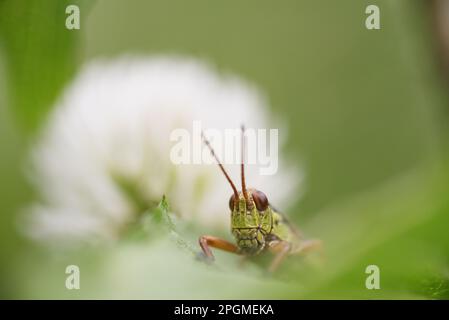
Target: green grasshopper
x=255, y=224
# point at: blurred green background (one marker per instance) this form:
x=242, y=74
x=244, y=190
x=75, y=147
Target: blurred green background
x=367, y=112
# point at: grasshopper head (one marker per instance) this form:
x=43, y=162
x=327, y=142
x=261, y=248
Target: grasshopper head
x=250, y=210
x=247, y=201
x=254, y=200
x=250, y=218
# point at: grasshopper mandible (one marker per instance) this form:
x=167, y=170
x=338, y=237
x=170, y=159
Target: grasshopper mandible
x=257, y=227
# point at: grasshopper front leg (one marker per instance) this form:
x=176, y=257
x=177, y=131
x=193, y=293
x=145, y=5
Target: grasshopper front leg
x=210, y=241
x=283, y=248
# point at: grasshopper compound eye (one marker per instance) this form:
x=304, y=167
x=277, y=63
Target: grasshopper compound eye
x=260, y=199
x=232, y=202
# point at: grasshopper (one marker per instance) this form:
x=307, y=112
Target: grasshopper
x=256, y=226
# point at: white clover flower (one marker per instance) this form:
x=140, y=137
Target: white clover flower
x=105, y=152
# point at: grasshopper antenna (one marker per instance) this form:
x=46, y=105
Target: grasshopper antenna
x=245, y=193
x=236, y=194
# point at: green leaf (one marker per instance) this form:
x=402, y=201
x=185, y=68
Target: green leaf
x=162, y=216
x=41, y=54
x=157, y=223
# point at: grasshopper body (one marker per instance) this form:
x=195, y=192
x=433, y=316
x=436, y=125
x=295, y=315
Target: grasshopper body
x=256, y=225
